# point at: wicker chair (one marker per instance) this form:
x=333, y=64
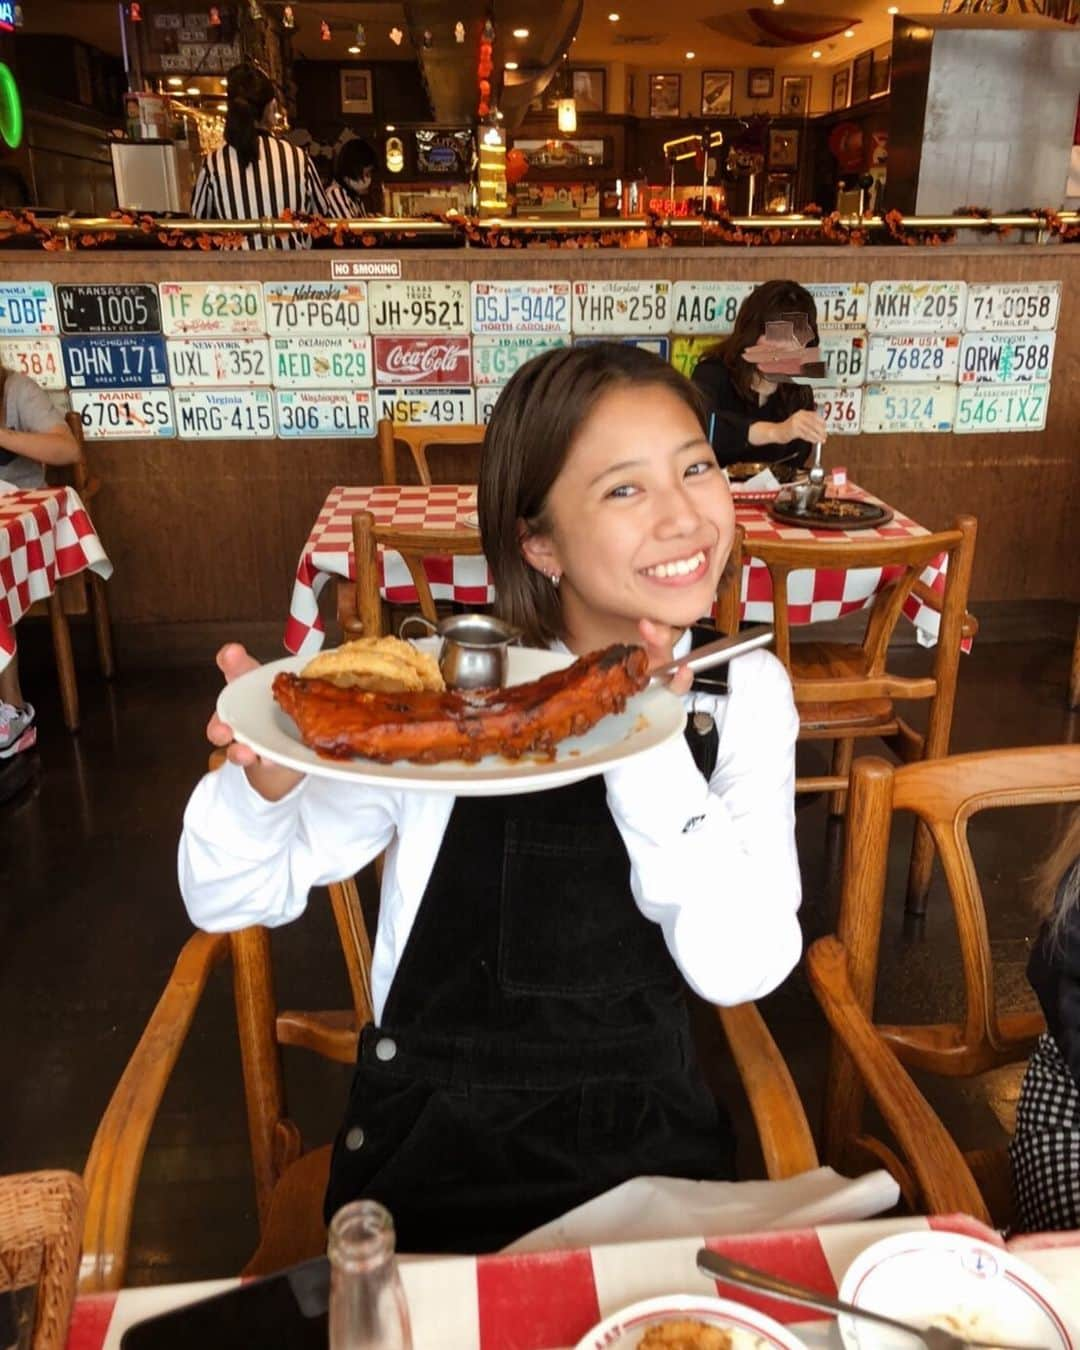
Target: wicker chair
x=41, y=1222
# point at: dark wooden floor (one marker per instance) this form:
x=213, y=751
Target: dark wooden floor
x=90, y=922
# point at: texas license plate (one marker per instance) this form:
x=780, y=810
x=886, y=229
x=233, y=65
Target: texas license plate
x=619, y=307
x=917, y=306
x=496, y=357
x=316, y=306
x=1031, y=305
x=521, y=307
x=112, y=308
x=325, y=412
x=200, y=363
x=912, y=407
x=1001, y=407
x=427, y=407
x=210, y=309
x=840, y=304
x=1005, y=358
x=40, y=358
x=486, y=398
x=224, y=414
x=27, y=309
x=124, y=414
x=844, y=355
x=313, y=362
x=128, y=361
x=707, y=306
x=418, y=306
x=840, y=409
x=911, y=357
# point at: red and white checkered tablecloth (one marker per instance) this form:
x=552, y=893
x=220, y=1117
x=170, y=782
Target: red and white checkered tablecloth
x=812, y=595
x=549, y=1300
x=45, y=535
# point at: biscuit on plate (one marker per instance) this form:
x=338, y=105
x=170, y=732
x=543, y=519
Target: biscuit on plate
x=684, y=1334
x=383, y=665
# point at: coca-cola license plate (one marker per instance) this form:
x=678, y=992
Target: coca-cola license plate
x=418, y=306
x=224, y=414
x=521, y=306
x=316, y=306
x=314, y=362
x=423, y=360
x=913, y=357
x=840, y=409
x=40, y=358
x=324, y=412
x=124, y=414
x=496, y=357
x=427, y=407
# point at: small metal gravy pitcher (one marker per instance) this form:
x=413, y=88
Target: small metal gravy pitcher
x=473, y=652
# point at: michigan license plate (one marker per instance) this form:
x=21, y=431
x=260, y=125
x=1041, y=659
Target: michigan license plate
x=313, y=362
x=427, y=407
x=911, y=357
x=324, y=412
x=917, y=306
x=128, y=361
x=224, y=414
x=1001, y=305
x=124, y=414
x=40, y=358
x=707, y=306
x=495, y=357
x=521, y=307
x=418, y=306
x=210, y=309
x=1001, y=407
x=1005, y=358
x=622, y=307
x=330, y=307
x=200, y=363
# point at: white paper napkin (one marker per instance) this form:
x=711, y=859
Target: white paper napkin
x=765, y=481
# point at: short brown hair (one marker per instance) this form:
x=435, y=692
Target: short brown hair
x=530, y=434
x=771, y=300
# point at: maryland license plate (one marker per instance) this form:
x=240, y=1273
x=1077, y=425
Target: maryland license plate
x=40, y=358
x=427, y=407
x=224, y=414
x=212, y=309
x=840, y=409
x=622, y=307
x=521, y=307
x=840, y=304
x=200, y=363
x=314, y=362
x=418, y=306
x=1001, y=407
x=331, y=307
x=124, y=414
x=1030, y=305
x=1005, y=358
x=495, y=357
x=324, y=412
x=917, y=306
x=913, y=357
x=707, y=306
x=912, y=407
x=27, y=309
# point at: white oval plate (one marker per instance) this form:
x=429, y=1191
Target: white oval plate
x=949, y=1280
x=649, y=719
x=751, y=1330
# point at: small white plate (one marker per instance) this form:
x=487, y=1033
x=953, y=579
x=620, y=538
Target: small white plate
x=472, y=520
x=750, y=1329
x=649, y=719
x=949, y=1280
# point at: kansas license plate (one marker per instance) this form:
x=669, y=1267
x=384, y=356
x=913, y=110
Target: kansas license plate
x=224, y=414
x=210, y=309
x=1001, y=407
x=112, y=308
x=496, y=358
x=911, y=407
x=27, y=309
x=840, y=304
x=912, y=357
x=707, y=306
x=331, y=307
x=659, y=346
x=840, y=409
x=423, y=360
x=325, y=412
x=619, y=307
x=418, y=306
x=844, y=355
x=686, y=352
x=521, y=307
x=124, y=414
x=130, y=361
x=486, y=398
x=1005, y=358
x=40, y=358
x=427, y=407
x=1031, y=305
x=199, y=363
x=313, y=362
x=917, y=306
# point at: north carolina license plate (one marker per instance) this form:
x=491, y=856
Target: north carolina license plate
x=912, y=407
x=521, y=306
x=40, y=358
x=707, y=306
x=1005, y=358
x=917, y=306
x=112, y=308
x=1031, y=305
x=911, y=357
x=27, y=309
x=840, y=409
x=427, y=407
x=128, y=361
x=1001, y=407
x=686, y=352
x=124, y=414
x=486, y=398
x=331, y=307
x=210, y=309
x=629, y=307
x=224, y=414
x=313, y=362
x=840, y=304
x=325, y=412
x=418, y=306
x=199, y=363
x=496, y=357
x=844, y=354
x=659, y=346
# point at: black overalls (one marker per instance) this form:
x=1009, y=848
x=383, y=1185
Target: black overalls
x=535, y=1048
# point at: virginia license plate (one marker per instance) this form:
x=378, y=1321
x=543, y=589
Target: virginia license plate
x=418, y=306
x=910, y=407
x=840, y=304
x=486, y=398
x=40, y=358
x=1031, y=305
x=917, y=306
x=427, y=407
x=27, y=309
x=1001, y=407
x=129, y=361
x=331, y=307
x=840, y=409
x=224, y=414
x=112, y=308
x=686, y=352
x=325, y=412
x=496, y=357
x=619, y=307
x=124, y=414
x=844, y=354
x=210, y=309
x=1005, y=358
x=707, y=306
x=521, y=307
x=911, y=357
x=199, y=363
x=314, y=362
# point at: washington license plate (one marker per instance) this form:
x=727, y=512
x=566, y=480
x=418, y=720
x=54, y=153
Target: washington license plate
x=618, y=307
x=40, y=358
x=913, y=357
x=1030, y=305
x=912, y=407
x=1005, y=358
x=707, y=306
x=1001, y=407
x=128, y=361
x=27, y=309
x=313, y=362
x=210, y=309
x=840, y=409
x=112, y=308
x=496, y=357
x=418, y=306
x=199, y=363
x=427, y=407
x=325, y=412
x=124, y=414
x=844, y=355
x=224, y=414
x=917, y=306
x=521, y=307
x=840, y=304
x=331, y=307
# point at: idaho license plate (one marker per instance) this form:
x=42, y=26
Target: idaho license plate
x=201, y=363
x=840, y=304
x=130, y=361
x=124, y=414
x=619, y=307
x=707, y=306
x=324, y=412
x=1001, y=407
x=27, y=309
x=418, y=306
x=313, y=362
x=1030, y=305
x=914, y=358
x=40, y=358
x=427, y=407
x=330, y=307
x=911, y=407
x=224, y=414
x=496, y=357
x=521, y=307
x=840, y=409
x=210, y=309
x=917, y=306
x=1005, y=358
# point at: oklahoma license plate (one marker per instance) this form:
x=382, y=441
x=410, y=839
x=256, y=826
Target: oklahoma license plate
x=324, y=412
x=128, y=361
x=418, y=306
x=521, y=307
x=912, y=407
x=40, y=358
x=314, y=362
x=1001, y=407
x=224, y=414
x=1005, y=358
x=629, y=307
x=917, y=306
x=113, y=308
x=124, y=414
x=486, y=398
x=840, y=304
x=27, y=309
x=840, y=409
x=1030, y=305
x=844, y=355
x=911, y=357
x=496, y=357
x=316, y=306
x=200, y=363
x=210, y=309
x=707, y=306
x=427, y=407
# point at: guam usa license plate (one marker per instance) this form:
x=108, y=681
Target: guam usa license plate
x=224, y=414
x=908, y=407
x=521, y=307
x=128, y=414
x=1001, y=407
x=427, y=407
x=913, y=357
x=1005, y=358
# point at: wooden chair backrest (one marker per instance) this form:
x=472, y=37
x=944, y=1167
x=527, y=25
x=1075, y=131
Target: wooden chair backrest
x=418, y=439
x=41, y=1225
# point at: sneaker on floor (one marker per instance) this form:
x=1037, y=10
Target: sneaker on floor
x=16, y=726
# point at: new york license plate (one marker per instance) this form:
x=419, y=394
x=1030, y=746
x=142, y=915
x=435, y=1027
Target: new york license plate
x=1001, y=407
x=496, y=357
x=324, y=412
x=418, y=306
x=124, y=414
x=109, y=308
x=840, y=304
x=1030, y=305
x=40, y=358
x=128, y=361
x=912, y=407
x=212, y=309
x=917, y=306
x=224, y=414
x=521, y=307
x=314, y=362
x=707, y=306
x=331, y=307
x=1005, y=358
x=619, y=307
x=427, y=407
x=840, y=409
x=912, y=357
x=27, y=309
x=200, y=363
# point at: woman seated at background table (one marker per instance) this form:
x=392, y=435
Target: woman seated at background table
x=355, y=193
x=752, y=417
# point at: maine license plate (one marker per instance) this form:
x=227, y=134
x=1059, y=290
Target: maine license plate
x=418, y=306
x=619, y=307
x=840, y=409
x=124, y=414
x=659, y=346
x=707, y=306
x=314, y=362
x=911, y=407
x=917, y=306
x=427, y=407
x=1005, y=358
x=325, y=412
x=1001, y=407
x=686, y=352
x=844, y=355
x=224, y=414
x=209, y=309
x=495, y=358
x=423, y=360
x=486, y=398
x=316, y=306
x=913, y=357
x=40, y=358
x=521, y=307
x=113, y=308
x=1031, y=305
x=840, y=304
x=131, y=361
x=200, y=363
x=27, y=309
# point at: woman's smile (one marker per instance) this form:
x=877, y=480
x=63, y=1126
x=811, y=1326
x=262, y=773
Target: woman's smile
x=680, y=571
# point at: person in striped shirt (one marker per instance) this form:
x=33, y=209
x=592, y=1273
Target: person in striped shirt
x=254, y=173
x=353, y=193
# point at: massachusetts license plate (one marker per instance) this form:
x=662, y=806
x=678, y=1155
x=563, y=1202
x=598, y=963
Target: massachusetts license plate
x=911, y=407
x=131, y=361
x=844, y=354
x=659, y=346
x=427, y=407
x=316, y=306
x=707, y=306
x=113, y=308
x=224, y=414
x=40, y=358
x=486, y=398
x=840, y=409
x=917, y=306
x=840, y=304
x=1030, y=305
x=495, y=358
x=325, y=412
x=200, y=363
x=314, y=362
x=686, y=352
x=619, y=307
x=911, y=357
x=521, y=307
x=27, y=309
x=210, y=309
x=1001, y=407
x=418, y=306
x=1005, y=358
x=423, y=360
x=124, y=414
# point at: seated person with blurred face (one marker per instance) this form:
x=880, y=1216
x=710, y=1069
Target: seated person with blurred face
x=354, y=192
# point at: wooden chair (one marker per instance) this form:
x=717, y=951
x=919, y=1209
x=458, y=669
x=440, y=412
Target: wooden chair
x=944, y=794
x=418, y=439
x=41, y=1223
x=844, y=691
x=1074, y=673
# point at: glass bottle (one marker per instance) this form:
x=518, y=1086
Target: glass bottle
x=367, y=1302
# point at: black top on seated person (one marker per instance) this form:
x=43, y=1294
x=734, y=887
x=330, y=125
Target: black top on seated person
x=752, y=417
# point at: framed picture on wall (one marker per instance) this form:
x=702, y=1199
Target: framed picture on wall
x=590, y=88
x=841, y=85
x=879, y=74
x=794, y=95
x=717, y=92
x=861, y=69
x=783, y=149
x=759, y=82
x=778, y=192
x=356, y=93
x=665, y=95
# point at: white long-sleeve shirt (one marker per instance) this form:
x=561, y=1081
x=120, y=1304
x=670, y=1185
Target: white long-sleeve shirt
x=714, y=864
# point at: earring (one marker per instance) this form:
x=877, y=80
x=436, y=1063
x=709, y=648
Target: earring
x=554, y=578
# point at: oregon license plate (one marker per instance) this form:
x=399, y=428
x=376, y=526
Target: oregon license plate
x=495, y=357
x=427, y=407
x=314, y=362
x=840, y=409
x=844, y=354
x=486, y=398
x=127, y=361
x=40, y=358
x=1005, y=358
x=917, y=306
x=910, y=407
x=212, y=309
x=1001, y=407
x=109, y=308
x=707, y=306
x=840, y=304
x=124, y=414
x=325, y=412
x=27, y=309
x=331, y=307
x=418, y=306
x=622, y=307
x=521, y=307
x=200, y=363
x=224, y=414
x=686, y=352
x=1030, y=305
x=913, y=357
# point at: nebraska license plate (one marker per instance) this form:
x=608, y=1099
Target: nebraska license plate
x=912, y=407
x=199, y=363
x=224, y=414
x=619, y=307
x=40, y=358
x=917, y=306
x=495, y=357
x=427, y=407
x=913, y=357
x=1005, y=358
x=1030, y=305
x=840, y=304
x=27, y=309
x=844, y=355
x=1001, y=407
x=124, y=414
x=521, y=307
x=707, y=306
x=212, y=309
x=128, y=361
x=311, y=361
x=324, y=412
x=418, y=306
x=330, y=307
x=840, y=409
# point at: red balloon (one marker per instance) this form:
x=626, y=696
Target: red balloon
x=517, y=166
x=484, y=69
x=485, y=88
x=485, y=51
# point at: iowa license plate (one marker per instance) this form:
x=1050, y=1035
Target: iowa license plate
x=496, y=357
x=128, y=361
x=27, y=309
x=1030, y=305
x=912, y=357
x=840, y=304
x=224, y=414
x=40, y=358
x=124, y=414
x=619, y=307
x=840, y=409
x=199, y=363
x=112, y=308
x=324, y=412
x=330, y=307
x=1001, y=407
x=1005, y=358
x=418, y=306
x=427, y=407
x=707, y=306
x=913, y=407
x=917, y=306
x=314, y=362
x=844, y=355
x=521, y=306
x=212, y=309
